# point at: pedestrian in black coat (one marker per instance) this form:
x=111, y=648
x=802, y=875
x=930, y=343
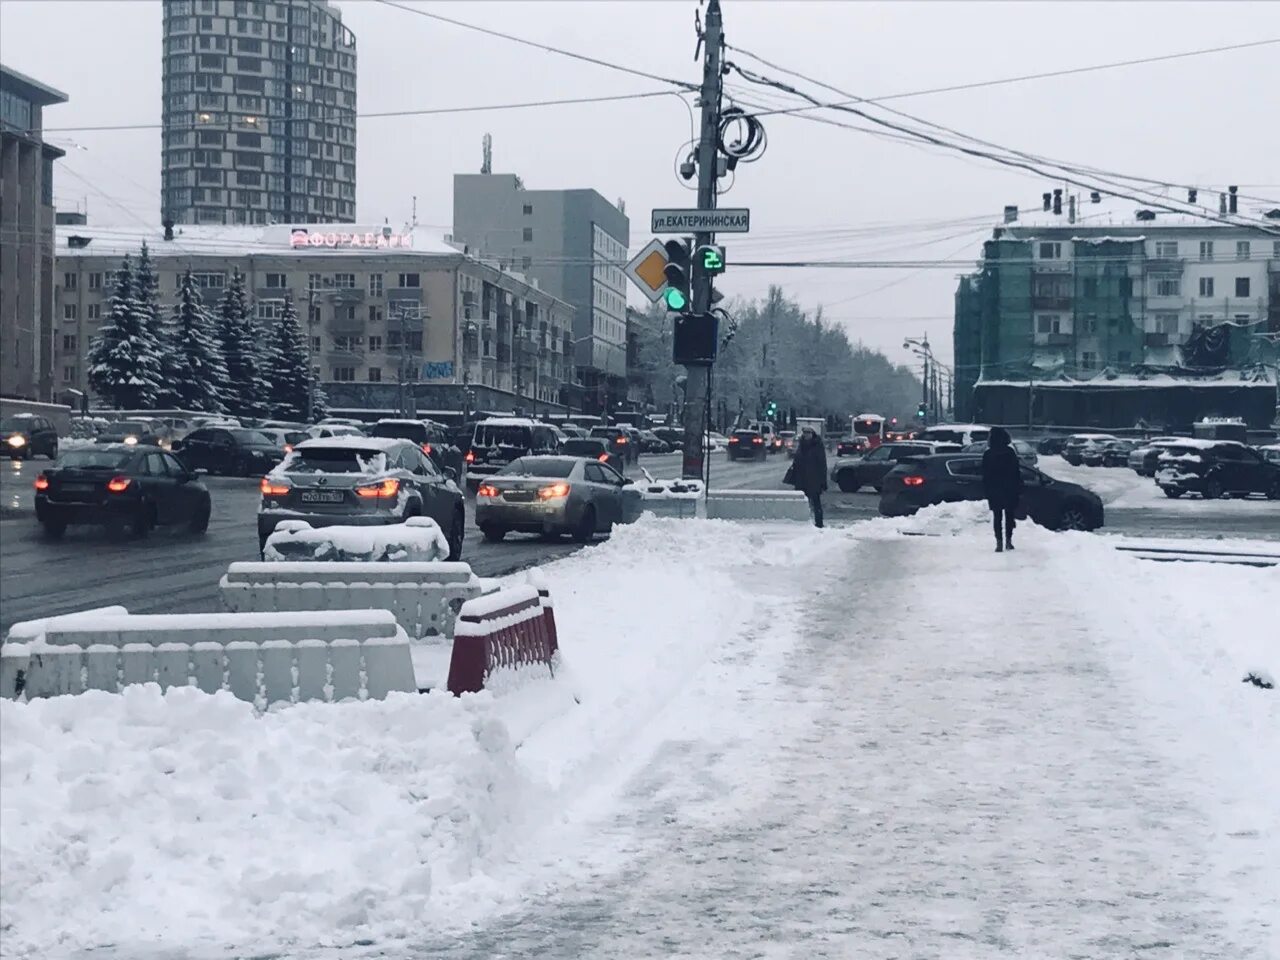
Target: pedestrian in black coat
x=1002, y=483
x=808, y=471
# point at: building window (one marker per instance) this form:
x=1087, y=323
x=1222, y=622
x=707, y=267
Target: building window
x=68, y=341
x=209, y=281
x=375, y=343
x=528, y=209
x=375, y=315
x=1206, y=286
x=344, y=281
x=1169, y=287
x=94, y=311
x=271, y=309
x=375, y=374
x=526, y=263
x=1088, y=360
x=95, y=281
x=375, y=284
x=1166, y=323
x=68, y=374
x=69, y=281
x=1048, y=323
x=1275, y=249
x=314, y=281
x=1242, y=286
x=315, y=344
x=1167, y=249
x=344, y=374
x=527, y=234
x=409, y=281
x=70, y=311
x=276, y=281
x=1050, y=251
x=1242, y=249
x=1206, y=249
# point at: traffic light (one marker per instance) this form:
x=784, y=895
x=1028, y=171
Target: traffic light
x=710, y=258
x=771, y=410
x=677, y=296
x=920, y=411
x=695, y=338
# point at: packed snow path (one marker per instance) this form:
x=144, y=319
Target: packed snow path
x=960, y=775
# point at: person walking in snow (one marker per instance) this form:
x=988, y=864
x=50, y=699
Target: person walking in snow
x=1002, y=484
x=808, y=471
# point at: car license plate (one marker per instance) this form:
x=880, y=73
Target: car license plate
x=76, y=489
x=518, y=496
x=323, y=496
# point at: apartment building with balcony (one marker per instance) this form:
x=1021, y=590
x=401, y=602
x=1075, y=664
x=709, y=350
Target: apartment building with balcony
x=26, y=237
x=380, y=308
x=1100, y=313
x=259, y=112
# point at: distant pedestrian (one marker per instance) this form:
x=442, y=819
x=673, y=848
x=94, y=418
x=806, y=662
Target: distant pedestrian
x=808, y=471
x=1002, y=483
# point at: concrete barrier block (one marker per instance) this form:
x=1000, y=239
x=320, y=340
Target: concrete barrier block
x=277, y=671
x=313, y=669
x=207, y=665
x=388, y=666
x=242, y=670
x=137, y=663
x=15, y=661
x=102, y=667
x=756, y=505
x=53, y=672
x=344, y=663
x=173, y=665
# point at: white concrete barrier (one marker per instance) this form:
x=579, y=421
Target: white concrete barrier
x=757, y=505
x=424, y=597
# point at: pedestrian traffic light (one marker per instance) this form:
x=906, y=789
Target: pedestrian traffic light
x=710, y=258
x=676, y=296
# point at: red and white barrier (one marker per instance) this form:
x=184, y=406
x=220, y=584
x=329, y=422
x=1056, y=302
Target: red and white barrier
x=510, y=629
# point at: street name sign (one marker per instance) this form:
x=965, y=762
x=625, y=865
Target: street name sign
x=647, y=270
x=727, y=220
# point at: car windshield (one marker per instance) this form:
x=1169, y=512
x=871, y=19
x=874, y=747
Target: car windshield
x=416, y=432
x=582, y=448
x=253, y=436
x=335, y=460
x=94, y=459
x=15, y=424
x=501, y=435
x=131, y=426
x=945, y=436
x=538, y=467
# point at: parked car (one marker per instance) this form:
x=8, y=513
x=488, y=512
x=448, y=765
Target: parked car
x=326, y=431
x=1073, y=449
x=235, y=451
x=852, y=474
x=432, y=437
x=1026, y=452
x=1142, y=458
x=555, y=495
x=1112, y=453
x=342, y=422
x=285, y=439
x=619, y=440
x=954, y=477
x=717, y=441
x=213, y=420
x=361, y=481
x=593, y=448
x=789, y=442
x=1050, y=446
x=1271, y=452
x=650, y=442
x=672, y=435
x=1216, y=468
x=748, y=445
x=769, y=431
x=853, y=446
x=27, y=435
x=500, y=440
x=961, y=434
x=124, y=487
x=142, y=431
x=573, y=432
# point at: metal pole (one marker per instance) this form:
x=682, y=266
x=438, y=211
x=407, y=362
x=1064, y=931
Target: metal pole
x=311, y=366
x=697, y=384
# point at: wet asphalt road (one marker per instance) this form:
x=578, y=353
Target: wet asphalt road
x=176, y=572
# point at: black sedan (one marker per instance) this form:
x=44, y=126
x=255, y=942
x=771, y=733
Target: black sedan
x=27, y=435
x=143, y=432
x=124, y=487
x=853, y=474
x=594, y=448
x=747, y=445
x=955, y=477
x=237, y=451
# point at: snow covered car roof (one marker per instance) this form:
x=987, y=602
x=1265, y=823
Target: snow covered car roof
x=1201, y=444
x=359, y=442
x=511, y=422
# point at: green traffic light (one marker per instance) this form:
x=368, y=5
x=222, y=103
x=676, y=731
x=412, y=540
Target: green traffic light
x=675, y=298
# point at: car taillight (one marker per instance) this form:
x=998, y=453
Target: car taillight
x=757, y=439
x=118, y=484
x=470, y=457
x=381, y=491
x=603, y=458
x=913, y=481
x=487, y=490
x=426, y=448
x=272, y=488
x=733, y=439
x=288, y=448
x=42, y=482
x=621, y=441
x=554, y=492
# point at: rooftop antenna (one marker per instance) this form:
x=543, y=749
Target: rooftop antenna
x=487, y=165
x=415, y=210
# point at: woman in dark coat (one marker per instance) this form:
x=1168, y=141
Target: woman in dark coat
x=1002, y=483
x=808, y=472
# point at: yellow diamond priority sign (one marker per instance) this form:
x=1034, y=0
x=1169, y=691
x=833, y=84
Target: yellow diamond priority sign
x=647, y=270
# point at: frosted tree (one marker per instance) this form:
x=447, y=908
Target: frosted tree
x=146, y=296
x=286, y=367
x=237, y=335
x=123, y=359
x=200, y=375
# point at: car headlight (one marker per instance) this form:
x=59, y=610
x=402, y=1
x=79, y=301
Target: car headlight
x=17, y=441
x=131, y=441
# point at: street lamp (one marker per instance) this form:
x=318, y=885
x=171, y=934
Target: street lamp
x=921, y=349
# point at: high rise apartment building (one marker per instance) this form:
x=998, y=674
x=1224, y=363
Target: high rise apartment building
x=259, y=113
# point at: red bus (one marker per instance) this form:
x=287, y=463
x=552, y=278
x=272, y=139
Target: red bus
x=871, y=427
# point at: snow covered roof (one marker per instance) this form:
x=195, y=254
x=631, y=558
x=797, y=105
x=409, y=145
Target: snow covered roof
x=381, y=444
x=1112, y=212
x=511, y=422
x=339, y=239
x=1257, y=377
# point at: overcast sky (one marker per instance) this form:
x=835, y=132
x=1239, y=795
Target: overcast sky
x=820, y=192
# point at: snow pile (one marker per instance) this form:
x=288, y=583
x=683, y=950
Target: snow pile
x=417, y=539
x=143, y=818
x=672, y=489
x=942, y=520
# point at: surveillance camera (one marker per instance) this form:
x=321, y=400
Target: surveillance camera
x=687, y=170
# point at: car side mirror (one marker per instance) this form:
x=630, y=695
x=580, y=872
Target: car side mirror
x=627, y=481
x=451, y=474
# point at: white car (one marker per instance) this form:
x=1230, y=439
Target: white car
x=718, y=441
x=323, y=431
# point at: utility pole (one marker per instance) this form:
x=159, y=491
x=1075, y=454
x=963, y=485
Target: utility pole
x=697, y=385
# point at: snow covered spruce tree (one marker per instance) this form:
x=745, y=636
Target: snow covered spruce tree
x=286, y=366
x=124, y=362
x=200, y=375
x=238, y=335
x=146, y=294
